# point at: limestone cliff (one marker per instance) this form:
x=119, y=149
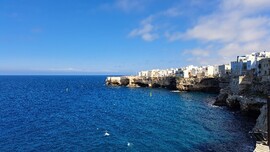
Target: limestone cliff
x=136, y=81
x=172, y=83
x=198, y=84
x=247, y=94
x=117, y=81
x=261, y=123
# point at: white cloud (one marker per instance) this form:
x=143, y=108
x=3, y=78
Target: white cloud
x=234, y=27
x=146, y=31
x=198, y=52
x=228, y=27
x=237, y=27
x=172, y=12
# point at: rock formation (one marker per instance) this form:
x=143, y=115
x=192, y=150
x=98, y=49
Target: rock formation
x=261, y=123
x=247, y=94
x=222, y=97
x=198, y=84
x=172, y=83
x=117, y=81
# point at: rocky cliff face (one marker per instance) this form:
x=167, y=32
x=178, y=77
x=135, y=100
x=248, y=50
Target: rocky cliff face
x=135, y=81
x=261, y=123
x=247, y=94
x=198, y=84
x=117, y=81
x=172, y=83
x=247, y=105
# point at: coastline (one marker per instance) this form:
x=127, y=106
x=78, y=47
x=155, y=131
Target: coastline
x=246, y=94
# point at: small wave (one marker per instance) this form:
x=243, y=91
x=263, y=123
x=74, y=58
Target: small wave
x=129, y=144
x=214, y=106
x=106, y=133
x=175, y=91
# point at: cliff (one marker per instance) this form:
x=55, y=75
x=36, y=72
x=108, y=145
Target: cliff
x=117, y=81
x=198, y=84
x=136, y=81
x=247, y=94
x=172, y=83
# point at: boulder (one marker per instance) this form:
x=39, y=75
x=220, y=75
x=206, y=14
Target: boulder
x=221, y=99
x=233, y=102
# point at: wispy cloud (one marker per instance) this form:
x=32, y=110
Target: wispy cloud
x=172, y=12
x=145, y=31
x=198, y=52
x=149, y=30
x=126, y=5
x=236, y=27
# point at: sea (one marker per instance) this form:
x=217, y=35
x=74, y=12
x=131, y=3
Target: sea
x=81, y=113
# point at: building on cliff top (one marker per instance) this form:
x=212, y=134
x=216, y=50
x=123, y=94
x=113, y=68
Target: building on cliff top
x=264, y=69
x=159, y=73
x=244, y=65
x=248, y=63
x=224, y=70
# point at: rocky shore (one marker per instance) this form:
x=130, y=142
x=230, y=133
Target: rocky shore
x=247, y=94
x=171, y=83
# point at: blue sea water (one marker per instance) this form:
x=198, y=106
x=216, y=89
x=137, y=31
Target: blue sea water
x=80, y=113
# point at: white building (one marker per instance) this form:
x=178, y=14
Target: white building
x=159, y=73
x=264, y=67
x=248, y=62
x=224, y=69
x=212, y=71
x=237, y=68
x=145, y=73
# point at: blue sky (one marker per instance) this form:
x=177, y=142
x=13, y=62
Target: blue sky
x=126, y=36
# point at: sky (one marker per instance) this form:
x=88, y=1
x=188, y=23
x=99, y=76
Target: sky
x=126, y=36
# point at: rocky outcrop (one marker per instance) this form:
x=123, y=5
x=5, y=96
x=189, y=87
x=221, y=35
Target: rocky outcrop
x=233, y=102
x=222, y=97
x=247, y=94
x=117, y=81
x=252, y=105
x=261, y=123
x=164, y=82
x=155, y=82
x=198, y=84
x=136, y=81
x=247, y=105
x=172, y=83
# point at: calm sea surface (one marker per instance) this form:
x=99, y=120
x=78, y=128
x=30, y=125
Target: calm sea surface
x=80, y=113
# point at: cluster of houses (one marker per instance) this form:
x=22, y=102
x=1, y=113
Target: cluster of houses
x=257, y=64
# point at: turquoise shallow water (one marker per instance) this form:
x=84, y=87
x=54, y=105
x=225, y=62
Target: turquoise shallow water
x=80, y=113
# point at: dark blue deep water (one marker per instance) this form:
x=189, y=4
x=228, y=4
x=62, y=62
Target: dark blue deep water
x=80, y=113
